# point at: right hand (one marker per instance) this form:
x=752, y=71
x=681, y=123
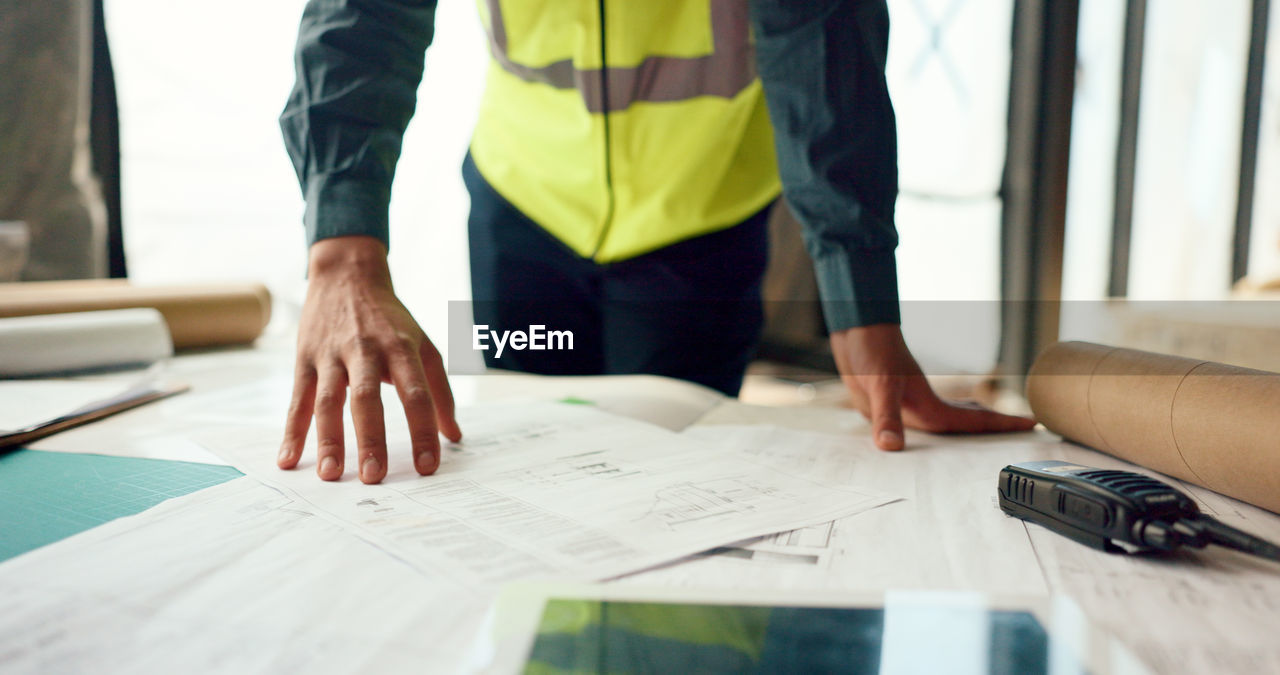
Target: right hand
x=355, y=334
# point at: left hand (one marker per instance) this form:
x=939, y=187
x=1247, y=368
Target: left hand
x=889, y=388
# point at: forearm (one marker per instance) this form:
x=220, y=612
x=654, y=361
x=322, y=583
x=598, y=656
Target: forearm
x=358, y=63
x=822, y=64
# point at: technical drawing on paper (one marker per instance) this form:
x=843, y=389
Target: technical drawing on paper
x=771, y=557
x=814, y=536
x=805, y=546
x=683, y=503
x=484, y=442
x=571, y=468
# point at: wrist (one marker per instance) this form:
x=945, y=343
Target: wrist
x=348, y=257
x=878, y=331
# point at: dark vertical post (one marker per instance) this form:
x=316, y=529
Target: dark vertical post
x=1249, y=138
x=1041, y=95
x=1135, y=40
x=104, y=141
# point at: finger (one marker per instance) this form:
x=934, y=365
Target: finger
x=884, y=394
x=839, y=353
x=857, y=395
x=441, y=392
x=331, y=395
x=923, y=409
x=993, y=421
x=366, y=416
x=977, y=420
x=298, y=420
x=419, y=411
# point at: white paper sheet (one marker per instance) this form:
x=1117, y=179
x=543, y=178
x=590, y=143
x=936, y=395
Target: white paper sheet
x=27, y=402
x=947, y=532
x=546, y=490
x=666, y=402
x=231, y=579
x=24, y=403
x=247, y=387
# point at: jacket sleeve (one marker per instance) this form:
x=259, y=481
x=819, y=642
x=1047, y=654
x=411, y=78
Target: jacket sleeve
x=359, y=63
x=822, y=63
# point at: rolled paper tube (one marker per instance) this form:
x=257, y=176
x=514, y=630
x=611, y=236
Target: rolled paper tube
x=198, y=315
x=1207, y=423
x=65, y=343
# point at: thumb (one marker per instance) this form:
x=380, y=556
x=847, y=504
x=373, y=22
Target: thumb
x=885, y=396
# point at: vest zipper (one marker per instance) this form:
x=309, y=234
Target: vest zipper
x=608, y=149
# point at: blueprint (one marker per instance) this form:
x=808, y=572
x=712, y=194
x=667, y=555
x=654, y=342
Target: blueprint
x=548, y=490
x=233, y=579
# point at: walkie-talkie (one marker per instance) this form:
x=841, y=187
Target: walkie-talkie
x=1116, y=511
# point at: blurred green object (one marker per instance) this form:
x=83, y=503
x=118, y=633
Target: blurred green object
x=49, y=496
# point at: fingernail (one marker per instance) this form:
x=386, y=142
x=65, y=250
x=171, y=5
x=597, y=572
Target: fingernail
x=327, y=465
x=283, y=456
x=425, y=463
x=890, y=439
x=369, y=468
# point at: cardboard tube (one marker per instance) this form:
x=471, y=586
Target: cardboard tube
x=1207, y=423
x=198, y=315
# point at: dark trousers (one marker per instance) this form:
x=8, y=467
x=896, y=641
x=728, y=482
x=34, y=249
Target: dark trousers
x=691, y=310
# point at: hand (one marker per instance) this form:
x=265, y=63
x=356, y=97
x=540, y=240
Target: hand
x=888, y=387
x=354, y=333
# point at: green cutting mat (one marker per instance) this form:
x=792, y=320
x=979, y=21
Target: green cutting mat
x=49, y=496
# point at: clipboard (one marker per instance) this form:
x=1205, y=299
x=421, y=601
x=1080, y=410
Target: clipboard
x=140, y=394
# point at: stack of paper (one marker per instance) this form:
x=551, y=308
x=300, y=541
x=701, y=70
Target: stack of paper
x=546, y=490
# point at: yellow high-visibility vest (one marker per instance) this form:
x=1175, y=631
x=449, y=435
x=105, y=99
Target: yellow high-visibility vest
x=670, y=141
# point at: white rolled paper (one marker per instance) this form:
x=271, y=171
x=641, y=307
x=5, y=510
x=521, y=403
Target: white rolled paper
x=64, y=343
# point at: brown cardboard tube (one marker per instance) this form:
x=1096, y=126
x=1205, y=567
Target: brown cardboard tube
x=198, y=315
x=1208, y=423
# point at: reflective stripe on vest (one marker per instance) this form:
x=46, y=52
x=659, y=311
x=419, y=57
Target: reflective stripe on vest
x=725, y=72
x=682, y=148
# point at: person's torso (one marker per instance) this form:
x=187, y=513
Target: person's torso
x=670, y=141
